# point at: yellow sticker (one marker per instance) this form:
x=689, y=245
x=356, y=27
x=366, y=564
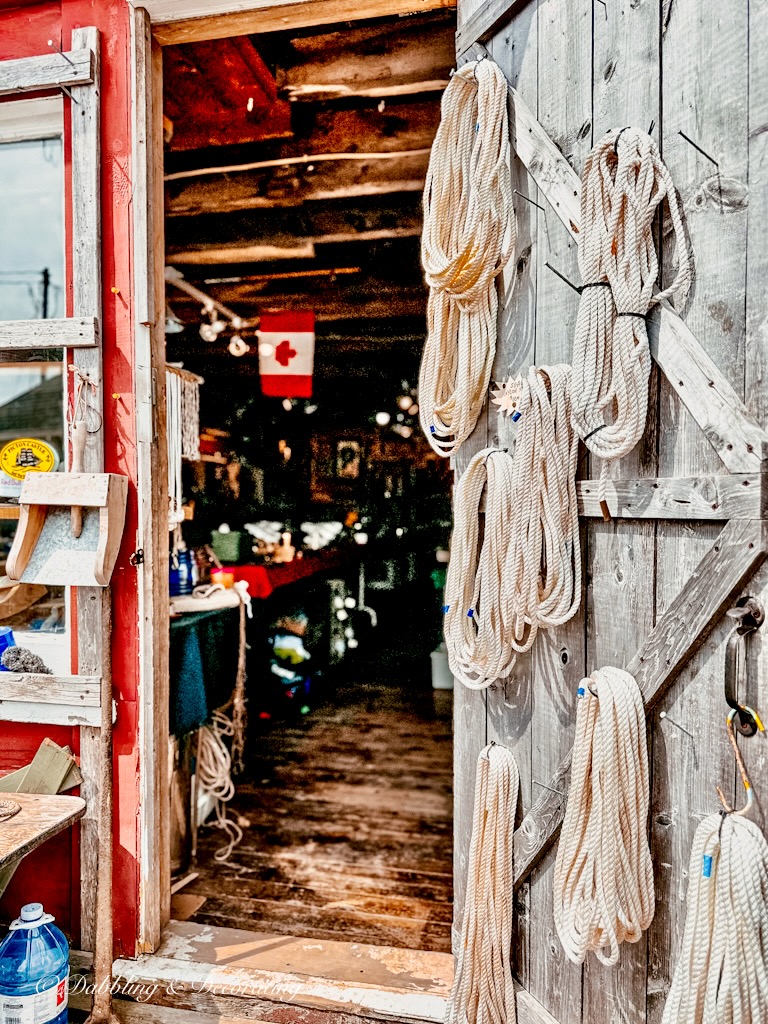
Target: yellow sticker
x=27, y=455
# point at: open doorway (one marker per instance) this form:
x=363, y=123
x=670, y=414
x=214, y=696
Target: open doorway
x=294, y=164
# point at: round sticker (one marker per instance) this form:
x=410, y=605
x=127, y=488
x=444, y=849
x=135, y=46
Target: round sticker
x=27, y=455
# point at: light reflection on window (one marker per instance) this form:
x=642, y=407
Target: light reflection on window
x=31, y=230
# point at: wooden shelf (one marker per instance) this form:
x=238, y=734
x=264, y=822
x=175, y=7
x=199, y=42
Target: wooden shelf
x=41, y=816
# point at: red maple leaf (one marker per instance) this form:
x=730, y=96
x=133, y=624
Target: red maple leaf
x=284, y=353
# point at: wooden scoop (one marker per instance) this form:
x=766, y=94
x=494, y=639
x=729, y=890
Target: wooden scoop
x=79, y=435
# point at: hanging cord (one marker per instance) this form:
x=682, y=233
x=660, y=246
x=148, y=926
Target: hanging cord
x=469, y=235
x=603, y=882
x=483, y=991
x=174, y=436
x=526, y=574
x=722, y=970
x=214, y=776
x=623, y=184
x=543, y=563
x=476, y=637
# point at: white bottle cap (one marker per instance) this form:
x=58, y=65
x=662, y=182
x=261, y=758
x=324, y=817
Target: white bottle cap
x=32, y=912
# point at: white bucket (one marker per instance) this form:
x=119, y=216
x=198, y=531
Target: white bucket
x=441, y=673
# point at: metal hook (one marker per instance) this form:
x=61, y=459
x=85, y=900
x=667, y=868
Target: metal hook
x=749, y=616
x=740, y=761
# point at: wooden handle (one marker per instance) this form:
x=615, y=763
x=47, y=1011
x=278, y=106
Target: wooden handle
x=79, y=434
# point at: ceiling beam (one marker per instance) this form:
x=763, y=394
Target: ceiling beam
x=397, y=58
x=188, y=21
x=239, y=237
x=332, y=177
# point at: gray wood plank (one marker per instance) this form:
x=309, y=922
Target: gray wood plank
x=86, y=301
x=469, y=723
x=734, y=558
x=705, y=390
x=40, y=817
x=564, y=45
x=48, y=71
x=621, y=555
x=711, y=497
x=152, y=464
x=68, y=332
x=704, y=74
x=509, y=700
x=756, y=690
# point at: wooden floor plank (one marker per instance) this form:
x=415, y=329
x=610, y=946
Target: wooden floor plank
x=347, y=818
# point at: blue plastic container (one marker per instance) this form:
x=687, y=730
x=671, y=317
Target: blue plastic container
x=34, y=970
x=183, y=576
x=6, y=640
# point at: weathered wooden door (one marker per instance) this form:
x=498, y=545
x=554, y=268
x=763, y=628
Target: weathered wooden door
x=688, y=534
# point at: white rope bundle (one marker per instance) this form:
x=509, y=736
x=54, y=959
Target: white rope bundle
x=623, y=184
x=603, y=883
x=483, y=991
x=543, y=564
x=526, y=575
x=468, y=237
x=722, y=972
x=214, y=776
x=476, y=635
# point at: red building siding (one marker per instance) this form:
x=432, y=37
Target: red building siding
x=51, y=874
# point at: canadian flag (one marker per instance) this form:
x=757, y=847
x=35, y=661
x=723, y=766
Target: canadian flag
x=286, y=354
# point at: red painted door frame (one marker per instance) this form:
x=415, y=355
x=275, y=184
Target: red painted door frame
x=52, y=873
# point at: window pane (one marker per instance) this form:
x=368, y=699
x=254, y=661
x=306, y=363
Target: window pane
x=31, y=406
x=31, y=230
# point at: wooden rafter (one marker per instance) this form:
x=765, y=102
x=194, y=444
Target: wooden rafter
x=219, y=19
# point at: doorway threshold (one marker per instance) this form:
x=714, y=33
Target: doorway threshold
x=230, y=973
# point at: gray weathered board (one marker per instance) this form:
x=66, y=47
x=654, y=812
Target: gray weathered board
x=582, y=67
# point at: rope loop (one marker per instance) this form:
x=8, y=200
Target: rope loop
x=623, y=186
x=469, y=236
x=603, y=883
x=526, y=573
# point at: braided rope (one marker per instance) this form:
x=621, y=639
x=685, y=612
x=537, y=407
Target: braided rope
x=722, y=972
x=468, y=237
x=623, y=184
x=603, y=882
x=526, y=574
x=483, y=991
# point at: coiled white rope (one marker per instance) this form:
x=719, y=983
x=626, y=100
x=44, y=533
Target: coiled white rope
x=214, y=776
x=623, y=184
x=476, y=634
x=526, y=574
x=722, y=972
x=483, y=991
x=603, y=882
x=468, y=237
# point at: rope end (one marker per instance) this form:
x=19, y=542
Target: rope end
x=605, y=510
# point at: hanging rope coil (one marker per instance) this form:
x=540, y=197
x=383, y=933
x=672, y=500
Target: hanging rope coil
x=526, y=574
x=476, y=633
x=603, y=882
x=623, y=184
x=214, y=776
x=722, y=971
x=468, y=237
x=483, y=991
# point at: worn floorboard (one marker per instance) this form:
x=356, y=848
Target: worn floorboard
x=347, y=824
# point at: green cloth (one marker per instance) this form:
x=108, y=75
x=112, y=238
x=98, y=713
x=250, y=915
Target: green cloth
x=203, y=665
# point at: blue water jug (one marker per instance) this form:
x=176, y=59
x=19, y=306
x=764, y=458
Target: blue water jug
x=183, y=576
x=34, y=970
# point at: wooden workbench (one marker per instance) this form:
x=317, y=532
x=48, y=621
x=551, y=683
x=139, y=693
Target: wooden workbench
x=41, y=816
